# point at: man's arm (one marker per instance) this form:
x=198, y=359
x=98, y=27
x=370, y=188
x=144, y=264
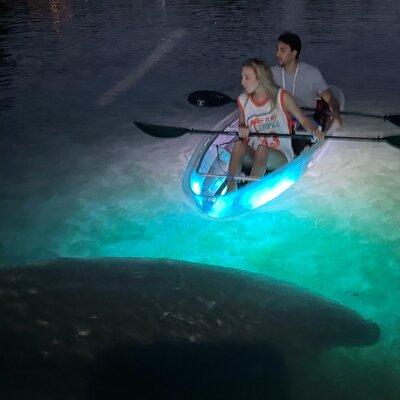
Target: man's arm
x=333, y=106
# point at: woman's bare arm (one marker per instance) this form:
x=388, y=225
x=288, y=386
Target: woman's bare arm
x=291, y=107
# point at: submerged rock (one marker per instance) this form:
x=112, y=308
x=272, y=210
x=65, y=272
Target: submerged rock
x=68, y=324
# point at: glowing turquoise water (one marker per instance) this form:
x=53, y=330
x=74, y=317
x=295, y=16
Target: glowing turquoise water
x=322, y=235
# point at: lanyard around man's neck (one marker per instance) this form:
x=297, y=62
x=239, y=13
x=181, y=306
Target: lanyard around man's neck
x=294, y=80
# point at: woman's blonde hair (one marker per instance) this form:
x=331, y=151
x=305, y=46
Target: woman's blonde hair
x=264, y=76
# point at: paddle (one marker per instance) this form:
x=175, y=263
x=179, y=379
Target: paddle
x=209, y=98
x=169, y=132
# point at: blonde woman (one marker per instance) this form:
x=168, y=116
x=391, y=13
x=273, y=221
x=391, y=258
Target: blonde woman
x=264, y=108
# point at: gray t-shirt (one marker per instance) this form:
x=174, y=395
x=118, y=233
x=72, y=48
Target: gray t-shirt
x=309, y=83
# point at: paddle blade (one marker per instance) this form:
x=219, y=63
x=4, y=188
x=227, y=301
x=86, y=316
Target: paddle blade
x=161, y=131
x=209, y=98
x=394, y=119
x=393, y=140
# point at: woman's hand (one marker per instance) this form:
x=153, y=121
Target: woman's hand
x=243, y=132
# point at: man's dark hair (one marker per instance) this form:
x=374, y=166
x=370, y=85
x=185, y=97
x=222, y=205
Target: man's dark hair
x=292, y=40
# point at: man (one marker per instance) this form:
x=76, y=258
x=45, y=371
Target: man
x=303, y=81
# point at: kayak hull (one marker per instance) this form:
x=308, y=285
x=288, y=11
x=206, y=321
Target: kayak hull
x=205, y=176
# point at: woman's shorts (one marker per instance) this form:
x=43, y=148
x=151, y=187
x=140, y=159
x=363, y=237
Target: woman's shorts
x=282, y=144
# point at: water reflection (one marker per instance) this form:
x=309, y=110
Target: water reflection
x=59, y=11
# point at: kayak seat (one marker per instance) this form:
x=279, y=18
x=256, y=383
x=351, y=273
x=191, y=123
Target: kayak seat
x=298, y=145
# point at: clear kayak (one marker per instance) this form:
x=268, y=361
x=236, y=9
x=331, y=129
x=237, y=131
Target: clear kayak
x=204, y=181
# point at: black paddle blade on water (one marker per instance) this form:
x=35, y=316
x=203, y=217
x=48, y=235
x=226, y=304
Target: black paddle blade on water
x=161, y=131
x=209, y=98
x=393, y=141
x=394, y=119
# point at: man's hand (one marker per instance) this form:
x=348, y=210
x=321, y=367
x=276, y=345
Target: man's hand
x=337, y=118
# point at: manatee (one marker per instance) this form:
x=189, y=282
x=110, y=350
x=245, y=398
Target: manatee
x=105, y=328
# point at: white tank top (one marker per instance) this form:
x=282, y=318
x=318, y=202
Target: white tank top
x=267, y=118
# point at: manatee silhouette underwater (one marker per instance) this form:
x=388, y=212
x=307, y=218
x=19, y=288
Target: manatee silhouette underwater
x=158, y=328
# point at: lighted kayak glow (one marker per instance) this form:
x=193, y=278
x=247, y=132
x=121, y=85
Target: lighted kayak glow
x=195, y=184
x=208, y=193
x=259, y=198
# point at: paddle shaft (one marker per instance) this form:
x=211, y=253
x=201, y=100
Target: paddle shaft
x=170, y=132
x=385, y=117
x=294, y=135
x=210, y=98
x=356, y=114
